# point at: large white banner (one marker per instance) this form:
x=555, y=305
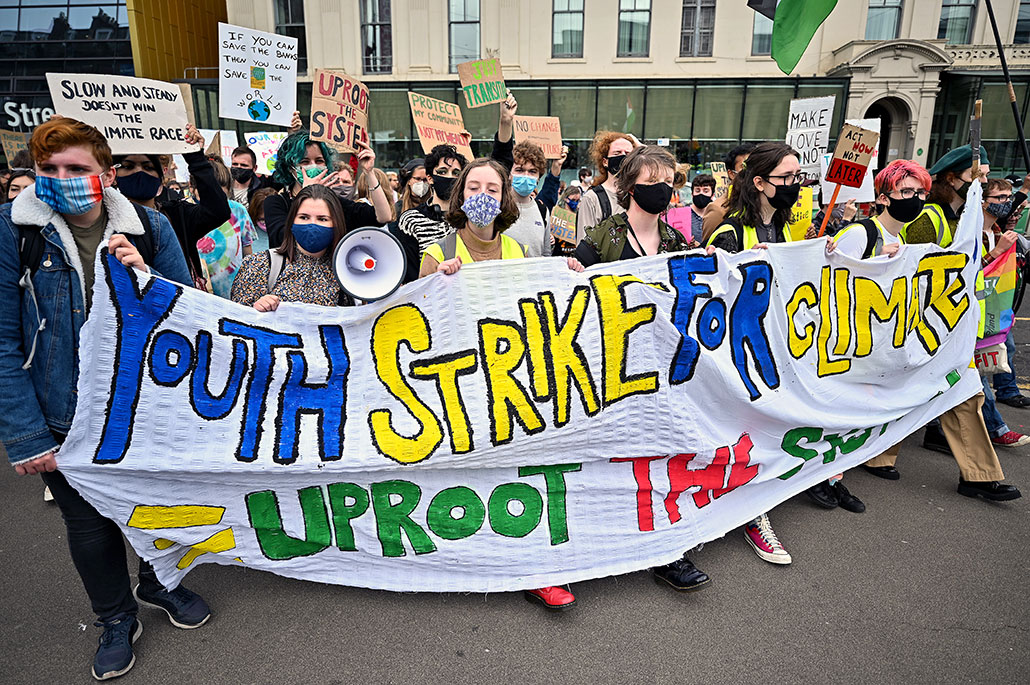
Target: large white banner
x=516, y=425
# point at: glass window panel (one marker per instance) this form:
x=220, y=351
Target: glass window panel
x=761, y=38
x=997, y=122
x=1022, y=36
x=956, y=23
x=814, y=90
x=634, y=33
x=42, y=20
x=669, y=111
x=766, y=111
x=464, y=43
x=717, y=112
x=882, y=21
x=568, y=35
x=575, y=106
x=389, y=115
x=621, y=109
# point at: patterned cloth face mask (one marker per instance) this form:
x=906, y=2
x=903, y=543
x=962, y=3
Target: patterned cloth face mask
x=74, y=196
x=481, y=208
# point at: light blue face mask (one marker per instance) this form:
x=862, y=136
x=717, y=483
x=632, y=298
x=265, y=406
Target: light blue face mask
x=523, y=185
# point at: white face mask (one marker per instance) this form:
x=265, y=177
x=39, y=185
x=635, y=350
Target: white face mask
x=419, y=188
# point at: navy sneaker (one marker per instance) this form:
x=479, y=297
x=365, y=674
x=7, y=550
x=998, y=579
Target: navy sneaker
x=185, y=608
x=114, y=656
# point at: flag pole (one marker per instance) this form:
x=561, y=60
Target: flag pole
x=1008, y=83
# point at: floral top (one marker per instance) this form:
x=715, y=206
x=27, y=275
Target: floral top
x=307, y=280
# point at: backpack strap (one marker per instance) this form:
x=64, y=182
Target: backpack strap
x=145, y=242
x=276, y=262
x=872, y=237
x=602, y=198
x=30, y=249
x=543, y=209
x=449, y=245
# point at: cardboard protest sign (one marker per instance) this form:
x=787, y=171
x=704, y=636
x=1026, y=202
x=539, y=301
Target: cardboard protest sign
x=257, y=75
x=544, y=131
x=808, y=129
x=265, y=145
x=136, y=115
x=13, y=142
x=680, y=219
x=439, y=122
x=460, y=436
x=722, y=179
x=482, y=82
x=855, y=147
x=227, y=142
x=801, y=214
x=339, y=110
x=563, y=224
x=864, y=193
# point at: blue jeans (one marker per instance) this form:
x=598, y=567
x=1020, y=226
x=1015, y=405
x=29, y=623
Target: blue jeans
x=992, y=419
x=1005, y=383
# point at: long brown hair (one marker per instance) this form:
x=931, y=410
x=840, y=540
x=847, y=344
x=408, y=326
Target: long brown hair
x=313, y=192
x=941, y=191
x=509, y=210
x=745, y=200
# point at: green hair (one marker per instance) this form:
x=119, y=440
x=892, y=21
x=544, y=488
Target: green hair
x=292, y=151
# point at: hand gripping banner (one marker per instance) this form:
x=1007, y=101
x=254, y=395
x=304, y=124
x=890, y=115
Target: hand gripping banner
x=516, y=425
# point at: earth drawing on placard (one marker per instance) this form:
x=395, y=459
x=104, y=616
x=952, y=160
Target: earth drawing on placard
x=258, y=110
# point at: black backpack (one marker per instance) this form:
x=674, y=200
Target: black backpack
x=872, y=237
x=30, y=247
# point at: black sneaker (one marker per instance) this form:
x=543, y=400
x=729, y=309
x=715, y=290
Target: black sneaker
x=185, y=608
x=1018, y=401
x=848, y=502
x=989, y=490
x=823, y=494
x=682, y=575
x=935, y=441
x=114, y=655
x=885, y=472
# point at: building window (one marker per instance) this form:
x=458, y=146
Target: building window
x=463, y=22
x=883, y=20
x=697, y=28
x=567, y=25
x=956, y=25
x=289, y=21
x=761, y=35
x=634, y=28
x=1022, y=36
x=376, y=37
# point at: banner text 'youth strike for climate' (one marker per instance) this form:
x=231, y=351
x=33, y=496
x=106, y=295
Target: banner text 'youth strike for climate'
x=544, y=340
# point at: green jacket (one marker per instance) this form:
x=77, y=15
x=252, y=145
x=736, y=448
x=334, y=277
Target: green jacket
x=609, y=237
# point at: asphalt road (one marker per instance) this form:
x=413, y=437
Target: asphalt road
x=927, y=586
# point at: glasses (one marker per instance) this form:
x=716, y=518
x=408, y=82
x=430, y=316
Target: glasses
x=790, y=179
x=909, y=193
x=999, y=198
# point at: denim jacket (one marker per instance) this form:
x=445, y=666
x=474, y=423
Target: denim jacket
x=41, y=323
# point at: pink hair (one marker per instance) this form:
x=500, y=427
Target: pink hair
x=897, y=171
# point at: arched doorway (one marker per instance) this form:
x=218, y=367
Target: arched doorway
x=895, y=129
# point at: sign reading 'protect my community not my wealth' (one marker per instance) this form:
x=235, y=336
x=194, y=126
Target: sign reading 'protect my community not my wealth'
x=516, y=425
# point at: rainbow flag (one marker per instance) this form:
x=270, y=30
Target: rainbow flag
x=1000, y=291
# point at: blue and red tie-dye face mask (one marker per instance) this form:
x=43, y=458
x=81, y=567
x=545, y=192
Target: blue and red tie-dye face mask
x=76, y=195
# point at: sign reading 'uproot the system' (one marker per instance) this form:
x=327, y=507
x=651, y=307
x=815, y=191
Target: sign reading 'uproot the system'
x=136, y=115
x=439, y=123
x=339, y=110
x=257, y=75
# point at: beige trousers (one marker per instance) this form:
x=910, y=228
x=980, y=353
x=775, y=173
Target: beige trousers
x=967, y=437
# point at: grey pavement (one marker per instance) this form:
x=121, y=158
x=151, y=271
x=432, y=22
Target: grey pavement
x=927, y=586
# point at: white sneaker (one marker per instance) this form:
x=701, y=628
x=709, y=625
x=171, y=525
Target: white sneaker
x=762, y=538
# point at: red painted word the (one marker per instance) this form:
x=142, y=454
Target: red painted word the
x=728, y=471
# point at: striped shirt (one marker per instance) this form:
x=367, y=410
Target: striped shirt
x=421, y=225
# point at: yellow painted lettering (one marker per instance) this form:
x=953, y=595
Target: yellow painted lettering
x=567, y=359
x=799, y=343
x=827, y=366
x=445, y=371
x=869, y=302
x=842, y=302
x=540, y=381
x=506, y=395
x=617, y=322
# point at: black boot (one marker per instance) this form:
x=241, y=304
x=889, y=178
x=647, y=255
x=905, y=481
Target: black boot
x=682, y=575
x=824, y=495
x=989, y=490
x=934, y=439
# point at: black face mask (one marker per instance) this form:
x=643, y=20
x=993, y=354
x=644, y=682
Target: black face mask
x=652, y=198
x=442, y=185
x=614, y=163
x=241, y=175
x=786, y=196
x=905, y=210
x=963, y=190
x=702, y=201
x=139, y=186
